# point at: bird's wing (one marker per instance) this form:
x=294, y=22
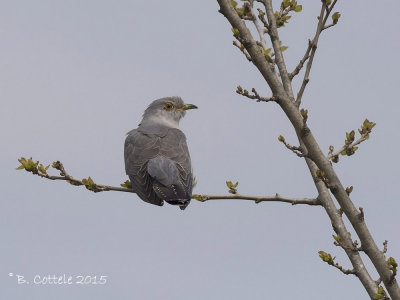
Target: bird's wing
x=174, y=147
x=159, y=167
x=139, y=149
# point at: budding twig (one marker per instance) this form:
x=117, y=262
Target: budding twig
x=258, y=199
x=298, y=150
x=255, y=96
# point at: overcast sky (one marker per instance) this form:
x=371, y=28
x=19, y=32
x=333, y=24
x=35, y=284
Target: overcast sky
x=76, y=76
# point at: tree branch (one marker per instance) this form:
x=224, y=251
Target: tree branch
x=260, y=30
x=257, y=57
x=258, y=199
x=315, y=155
x=298, y=150
x=302, y=61
x=256, y=96
x=349, y=147
x=326, y=257
x=276, y=43
x=41, y=171
x=241, y=48
x=312, y=47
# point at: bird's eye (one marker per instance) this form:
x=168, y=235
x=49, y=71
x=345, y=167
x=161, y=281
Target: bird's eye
x=168, y=106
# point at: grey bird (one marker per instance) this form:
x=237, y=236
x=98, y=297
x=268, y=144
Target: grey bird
x=157, y=158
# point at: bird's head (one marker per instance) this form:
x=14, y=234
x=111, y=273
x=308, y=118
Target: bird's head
x=166, y=111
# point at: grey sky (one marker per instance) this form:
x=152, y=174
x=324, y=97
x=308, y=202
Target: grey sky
x=76, y=76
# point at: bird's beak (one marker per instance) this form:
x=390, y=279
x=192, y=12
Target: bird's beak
x=188, y=106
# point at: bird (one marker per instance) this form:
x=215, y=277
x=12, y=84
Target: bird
x=157, y=158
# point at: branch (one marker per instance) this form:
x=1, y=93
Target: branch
x=241, y=48
x=256, y=96
x=258, y=199
x=38, y=169
x=276, y=43
x=261, y=17
x=302, y=61
x=339, y=242
x=260, y=30
x=299, y=151
x=326, y=257
x=258, y=58
x=312, y=47
x=316, y=160
x=339, y=227
x=349, y=147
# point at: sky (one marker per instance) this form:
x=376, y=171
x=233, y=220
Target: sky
x=76, y=76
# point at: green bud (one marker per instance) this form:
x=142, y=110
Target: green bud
x=392, y=264
x=235, y=32
x=380, y=294
x=298, y=8
x=326, y=257
x=335, y=17
x=127, y=184
x=304, y=113
x=320, y=174
x=197, y=197
x=89, y=183
x=337, y=238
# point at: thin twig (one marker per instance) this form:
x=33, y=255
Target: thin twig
x=255, y=95
x=241, y=48
x=260, y=30
x=343, y=270
x=276, y=43
x=261, y=17
x=302, y=61
x=362, y=138
x=298, y=150
x=328, y=26
x=258, y=199
x=39, y=170
x=311, y=48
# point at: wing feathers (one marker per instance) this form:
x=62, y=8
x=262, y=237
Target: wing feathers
x=159, y=167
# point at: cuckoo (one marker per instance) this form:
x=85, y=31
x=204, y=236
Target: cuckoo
x=157, y=158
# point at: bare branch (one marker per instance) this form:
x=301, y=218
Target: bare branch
x=298, y=150
x=344, y=271
x=312, y=47
x=241, y=48
x=256, y=96
x=302, y=61
x=328, y=26
x=258, y=199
